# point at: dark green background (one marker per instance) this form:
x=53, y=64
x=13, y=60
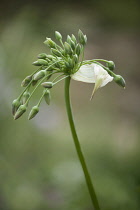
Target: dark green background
x=39, y=168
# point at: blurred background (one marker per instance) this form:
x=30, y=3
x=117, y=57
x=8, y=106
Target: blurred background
x=39, y=167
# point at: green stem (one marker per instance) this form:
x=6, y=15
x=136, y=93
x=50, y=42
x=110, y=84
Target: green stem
x=78, y=147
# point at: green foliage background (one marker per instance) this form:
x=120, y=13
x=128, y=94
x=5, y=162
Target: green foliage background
x=39, y=168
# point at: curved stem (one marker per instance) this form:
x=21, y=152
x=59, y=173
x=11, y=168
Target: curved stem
x=78, y=147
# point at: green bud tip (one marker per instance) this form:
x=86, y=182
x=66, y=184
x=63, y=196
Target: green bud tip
x=50, y=43
x=20, y=111
x=33, y=112
x=26, y=81
x=25, y=97
x=39, y=75
x=56, y=52
x=68, y=48
x=82, y=37
x=47, y=84
x=120, y=80
x=47, y=96
x=42, y=55
x=58, y=36
x=15, y=105
x=111, y=65
x=78, y=49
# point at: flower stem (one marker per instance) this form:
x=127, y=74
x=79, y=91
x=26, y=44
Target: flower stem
x=78, y=147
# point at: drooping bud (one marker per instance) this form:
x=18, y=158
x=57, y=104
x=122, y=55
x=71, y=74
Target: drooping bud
x=33, y=112
x=43, y=62
x=36, y=63
x=82, y=37
x=39, y=75
x=50, y=43
x=42, y=55
x=20, y=111
x=120, y=80
x=58, y=36
x=56, y=52
x=26, y=81
x=15, y=105
x=111, y=65
x=47, y=84
x=68, y=49
x=47, y=96
x=78, y=49
x=25, y=97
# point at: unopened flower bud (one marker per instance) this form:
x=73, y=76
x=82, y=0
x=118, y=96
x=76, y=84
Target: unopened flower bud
x=47, y=84
x=111, y=65
x=43, y=62
x=26, y=81
x=120, y=80
x=56, y=52
x=20, y=111
x=42, y=55
x=50, y=57
x=34, y=82
x=82, y=37
x=33, y=112
x=39, y=75
x=58, y=36
x=15, y=105
x=78, y=49
x=47, y=96
x=73, y=39
x=36, y=63
x=68, y=49
x=75, y=58
x=50, y=43
x=25, y=97
x=71, y=42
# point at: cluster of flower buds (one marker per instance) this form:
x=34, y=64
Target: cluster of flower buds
x=65, y=59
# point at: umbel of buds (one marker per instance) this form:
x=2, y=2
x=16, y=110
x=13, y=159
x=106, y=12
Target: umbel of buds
x=66, y=59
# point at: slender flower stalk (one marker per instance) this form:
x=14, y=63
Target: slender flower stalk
x=67, y=62
x=78, y=147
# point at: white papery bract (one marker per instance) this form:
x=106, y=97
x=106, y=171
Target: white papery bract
x=92, y=73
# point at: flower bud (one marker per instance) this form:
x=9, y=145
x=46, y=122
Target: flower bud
x=68, y=49
x=111, y=65
x=73, y=39
x=82, y=37
x=68, y=39
x=50, y=57
x=20, y=111
x=36, y=63
x=33, y=112
x=42, y=55
x=26, y=81
x=43, y=62
x=39, y=75
x=15, y=105
x=34, y=82
x=56, y=52
x=119, y=80
x=78, y=49
x=47, y=96
x=47, y=84
x=75, y=58
x=58, y=36
x=50, y=43
x=25, y=97
x=70, y=64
